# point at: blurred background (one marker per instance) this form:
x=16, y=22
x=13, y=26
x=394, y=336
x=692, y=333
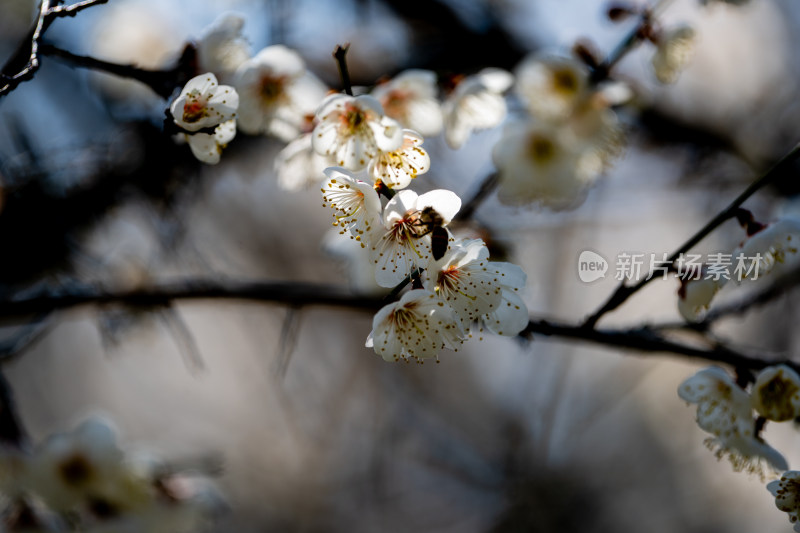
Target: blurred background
x=315, y=432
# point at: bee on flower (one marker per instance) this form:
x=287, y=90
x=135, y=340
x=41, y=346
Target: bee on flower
x=404, y=240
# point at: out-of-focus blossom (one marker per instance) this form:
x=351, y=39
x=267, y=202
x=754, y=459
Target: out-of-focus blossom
x=356, y=203
x=277, y=93
x=538, y=164
x=222, y=47
x=396, y=169
x=416, y=327
x=208, y=147
x=476, y=103
x=203, y=103
x=786, y=491
x=695, y=295
x=410, y=98
x=551, y=86
x=674, y=50
x=724, y=410
x=353, y=129
x=71, y=469
x=404, y=241
x=772, y=247
x=298, y=165
x=776, y=393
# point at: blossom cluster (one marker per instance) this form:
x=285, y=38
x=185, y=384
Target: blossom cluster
x=82, y=480
x=771, y=246
x=735, y=417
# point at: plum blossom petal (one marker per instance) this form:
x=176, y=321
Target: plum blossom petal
x=416, y=327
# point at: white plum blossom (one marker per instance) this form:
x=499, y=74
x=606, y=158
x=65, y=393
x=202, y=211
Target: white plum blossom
x=396, y=169
x=207, y=147
x=551, y=86
x=773, y=246
x=353, y=129
x=479, y=290
x=222, y=47
x=465, y=280
x=786, y=491
x=410, y=99
x=674, y=51
x=357, y=205
x=695, y=295
x=416, y=327
x=776, y=393
x=476, y=103
x=404, y=241
x=203, y=103
x=277, y=93
x=298, y=165
x=724, y=410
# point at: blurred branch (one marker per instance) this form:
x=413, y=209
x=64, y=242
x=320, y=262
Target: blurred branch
x=487, y=187
x=624, y=291
x=642, y=339
x=163, y=82
x=24, y=63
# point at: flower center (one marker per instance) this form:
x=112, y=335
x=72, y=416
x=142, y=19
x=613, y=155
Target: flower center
x=541, y=149
x=271, y=88
x=194, y=109
x=353, y=118
x=76, y=470
x=565, y=81
x=448, y=280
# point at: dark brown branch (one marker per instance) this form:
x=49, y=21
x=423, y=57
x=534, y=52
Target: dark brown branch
x=645, y=339
x=24, y=63
x=340, y=54
x=296, y=294
x=624, y=291
x=163, y=82
x=642, y=339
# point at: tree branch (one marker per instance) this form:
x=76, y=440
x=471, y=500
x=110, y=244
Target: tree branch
x=24, y=63
x=624, y=291
x=642, y=339
x=162, y=82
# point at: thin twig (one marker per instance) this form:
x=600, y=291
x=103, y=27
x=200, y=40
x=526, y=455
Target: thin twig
x=340, y=54
x=623, y=291
x=24, y=63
